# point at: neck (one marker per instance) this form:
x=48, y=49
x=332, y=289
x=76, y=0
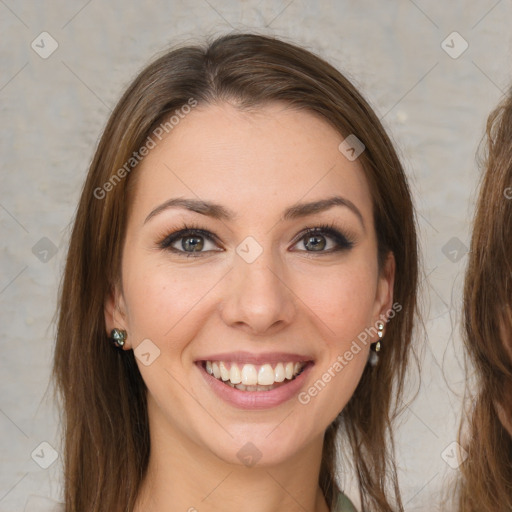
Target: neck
x=185, y=477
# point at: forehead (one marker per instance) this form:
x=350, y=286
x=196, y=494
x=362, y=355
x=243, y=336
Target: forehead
x=258, y=161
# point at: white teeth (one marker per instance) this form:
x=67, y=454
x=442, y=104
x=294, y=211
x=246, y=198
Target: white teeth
x=266, y=375
x=234, y=374
x=241, y=387
x=279, y=373
x=249, y=375
x=224, y=372
x=216, y=371
x=249, y=378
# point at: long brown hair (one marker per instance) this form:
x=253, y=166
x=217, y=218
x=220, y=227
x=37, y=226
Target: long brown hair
x=104, y=402
x=486, y=434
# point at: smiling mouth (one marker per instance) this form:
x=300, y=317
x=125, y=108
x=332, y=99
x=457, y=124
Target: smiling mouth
x=251, y=377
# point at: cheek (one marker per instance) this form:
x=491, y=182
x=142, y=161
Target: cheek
x=342, y=301
x=342, y=298
x=160, y=298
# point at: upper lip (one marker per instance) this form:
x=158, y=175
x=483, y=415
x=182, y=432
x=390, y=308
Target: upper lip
x=257, y=359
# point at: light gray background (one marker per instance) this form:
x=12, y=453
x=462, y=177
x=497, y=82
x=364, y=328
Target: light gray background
x=52, y=113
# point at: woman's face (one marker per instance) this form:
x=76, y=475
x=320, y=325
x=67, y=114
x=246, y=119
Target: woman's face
x=250, y=253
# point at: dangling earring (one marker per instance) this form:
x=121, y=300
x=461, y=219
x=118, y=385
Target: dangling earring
x=375, y=347
x=118, y=337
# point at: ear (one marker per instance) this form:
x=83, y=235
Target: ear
x=385, y=285
x=115, y=313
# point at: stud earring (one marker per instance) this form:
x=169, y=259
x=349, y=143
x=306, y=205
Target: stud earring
x=118, y=337
x=380, y=333
x=373, y=358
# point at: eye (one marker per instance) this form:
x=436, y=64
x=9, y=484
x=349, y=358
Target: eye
x=190, y=242
x=323, y=239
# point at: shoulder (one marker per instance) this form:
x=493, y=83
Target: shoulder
x=344, y=504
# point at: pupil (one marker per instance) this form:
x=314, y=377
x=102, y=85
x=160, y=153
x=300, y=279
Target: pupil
x=192, y=243
x=315, y=243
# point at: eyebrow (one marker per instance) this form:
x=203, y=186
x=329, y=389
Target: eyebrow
x=195, y=205
x=304, y=209
x=218, y=211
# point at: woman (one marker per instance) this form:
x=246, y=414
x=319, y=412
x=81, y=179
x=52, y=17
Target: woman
x=245, y=234
x=487, y=472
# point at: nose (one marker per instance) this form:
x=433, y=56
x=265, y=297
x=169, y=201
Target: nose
x=258, y=298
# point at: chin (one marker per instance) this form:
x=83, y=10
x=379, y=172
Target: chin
x=263, y=446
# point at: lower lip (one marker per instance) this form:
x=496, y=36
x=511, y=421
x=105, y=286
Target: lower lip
x=254, y=400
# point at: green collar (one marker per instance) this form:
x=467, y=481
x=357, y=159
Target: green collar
x=344, y=504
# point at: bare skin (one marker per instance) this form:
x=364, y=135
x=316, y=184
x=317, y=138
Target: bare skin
x=306, y=293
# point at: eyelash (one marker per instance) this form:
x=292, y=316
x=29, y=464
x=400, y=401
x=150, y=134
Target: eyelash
x=192, y=230
x=343, y=242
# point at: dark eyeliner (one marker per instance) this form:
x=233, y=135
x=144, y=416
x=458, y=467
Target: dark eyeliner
x=168, y=240
x=343, y=242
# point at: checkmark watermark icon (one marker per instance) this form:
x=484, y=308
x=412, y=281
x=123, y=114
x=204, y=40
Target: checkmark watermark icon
x=249, y=249
x=44, y=455
x=454, y=455
x=44, y=45
x=454, y=45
